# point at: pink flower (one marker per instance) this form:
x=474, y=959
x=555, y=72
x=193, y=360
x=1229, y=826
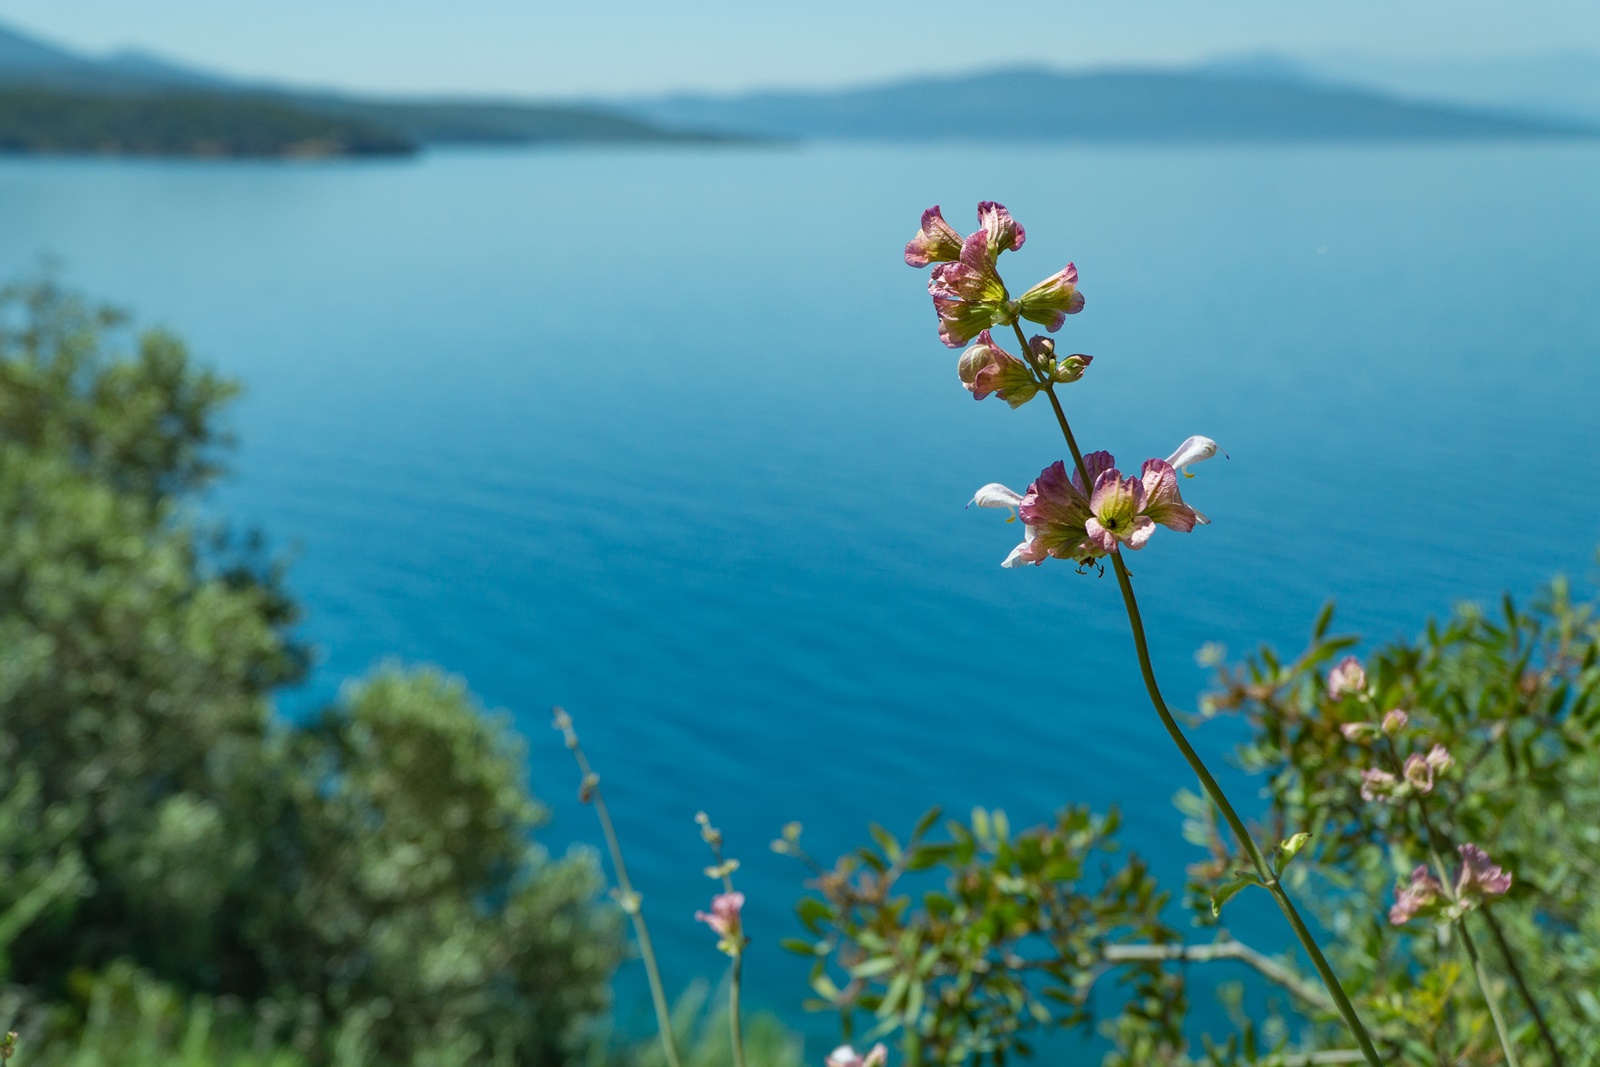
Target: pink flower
x=1439, y=759
x=1052, y=300
x=935, y=242
x=968, y=294
x=1347, y=677
x=1003, y=231
x=1479, y=877
x=987, y=368
x=1419, y=774
x=1378, y=785
x=1062, y=519
x=724, y=915
x=1359, y=732
x=1420, y=897
x=1395, y=721
x=845, y=1056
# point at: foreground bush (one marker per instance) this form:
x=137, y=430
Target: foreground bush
x=371, y=873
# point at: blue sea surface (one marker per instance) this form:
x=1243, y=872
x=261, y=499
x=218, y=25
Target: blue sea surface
x=667, y=437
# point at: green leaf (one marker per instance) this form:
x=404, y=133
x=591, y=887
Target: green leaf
x=802, y=947
x=1227, y=889
x=873, y=967
x=1290, y=846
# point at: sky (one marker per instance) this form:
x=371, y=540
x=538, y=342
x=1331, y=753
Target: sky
x=624, y=47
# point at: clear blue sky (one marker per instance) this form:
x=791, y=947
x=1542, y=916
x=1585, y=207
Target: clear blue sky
x=616, y=47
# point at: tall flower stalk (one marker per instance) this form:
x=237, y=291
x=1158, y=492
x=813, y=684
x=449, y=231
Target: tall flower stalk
x=726, y=919
x=1095, y=513
x=629, y=899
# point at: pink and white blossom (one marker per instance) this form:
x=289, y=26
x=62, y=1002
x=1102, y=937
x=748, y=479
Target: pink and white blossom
x=1347, y=677
x=846, y=1056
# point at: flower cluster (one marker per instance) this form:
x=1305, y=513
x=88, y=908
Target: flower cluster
x=967, y=292
x=1065, y=519
x=1414, y=779
x=1093, y=510
x=1425, y=896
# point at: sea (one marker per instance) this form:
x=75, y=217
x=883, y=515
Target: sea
x=666, y=436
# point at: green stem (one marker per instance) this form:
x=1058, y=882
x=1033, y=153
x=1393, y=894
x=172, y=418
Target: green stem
x=734, y=1026
x=1545, y=1034
x=1264, y=871
x=631, y=901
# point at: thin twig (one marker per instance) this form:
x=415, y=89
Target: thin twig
x=1271, y=969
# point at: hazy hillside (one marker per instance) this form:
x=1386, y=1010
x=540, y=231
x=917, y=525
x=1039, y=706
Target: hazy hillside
x=55, y=122
x=54, y=100
x=1106, y=106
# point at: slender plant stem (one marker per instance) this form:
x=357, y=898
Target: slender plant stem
x=1545, y=1034
x=630, y=900
x=736, y=971
x=1478, y=971
x=735, y=1028
x=1264, y=871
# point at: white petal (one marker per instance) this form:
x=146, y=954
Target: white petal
x=995, y=495
x=1193, y=450
x=1015, y=559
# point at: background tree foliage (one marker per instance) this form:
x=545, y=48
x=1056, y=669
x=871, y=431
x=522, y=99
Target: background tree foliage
x=367, y=879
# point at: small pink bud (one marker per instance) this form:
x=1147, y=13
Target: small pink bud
x=1419, y=774
x=1395, y=721
x=1347, y=678
x=1378, y=785
x=1359, y=732
x=1439, y=759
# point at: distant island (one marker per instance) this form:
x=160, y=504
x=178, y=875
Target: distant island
x=183, y=124
x=56, y=101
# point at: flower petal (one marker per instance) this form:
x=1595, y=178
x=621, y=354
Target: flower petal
x=935, y=242
x=1004, y=233
x=1193, y=450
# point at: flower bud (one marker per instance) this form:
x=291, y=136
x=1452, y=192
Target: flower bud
x=1347, y=678
x=1395, y=721
x=1359, y=732
x=1379, y=785
x=987, y=368
x=1439, y=759
x=1419, y=774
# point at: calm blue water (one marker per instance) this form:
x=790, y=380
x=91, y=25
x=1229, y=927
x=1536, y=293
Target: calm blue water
x=668, y=438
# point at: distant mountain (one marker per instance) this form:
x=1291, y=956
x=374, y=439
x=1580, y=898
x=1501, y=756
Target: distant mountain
x=1561, y=85
x=1263, y=102
x=55, y=100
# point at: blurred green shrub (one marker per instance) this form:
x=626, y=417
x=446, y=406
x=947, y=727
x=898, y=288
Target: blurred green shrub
x=961, y=945
x=373, y=868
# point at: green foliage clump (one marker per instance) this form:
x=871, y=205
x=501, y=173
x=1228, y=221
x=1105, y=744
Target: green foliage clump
x=1008, y=933
x=371, y=872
